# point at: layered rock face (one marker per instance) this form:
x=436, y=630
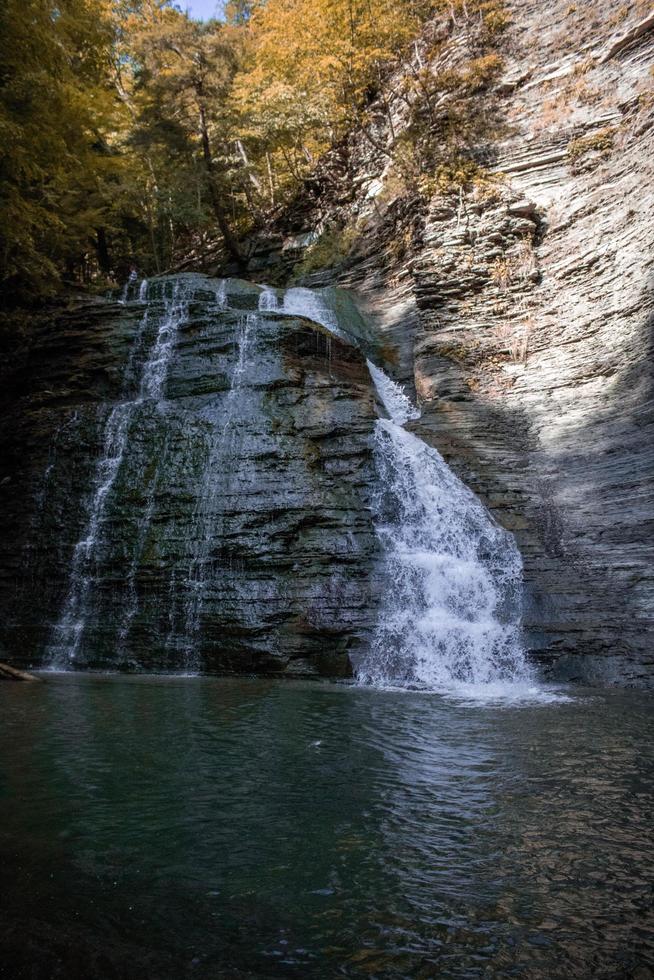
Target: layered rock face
x=522, y=311
x=534, y=355
x=187, y=486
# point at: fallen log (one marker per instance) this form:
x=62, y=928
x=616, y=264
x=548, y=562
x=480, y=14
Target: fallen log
x=8, y=673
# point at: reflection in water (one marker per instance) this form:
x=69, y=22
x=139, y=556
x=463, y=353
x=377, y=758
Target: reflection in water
x=169, y=828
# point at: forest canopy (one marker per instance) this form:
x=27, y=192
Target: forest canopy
x=133, y=135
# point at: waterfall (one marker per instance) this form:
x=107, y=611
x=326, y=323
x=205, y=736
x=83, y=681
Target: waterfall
x=303, y=302
x=129, y=287
x=67, y=633
x=451, y=616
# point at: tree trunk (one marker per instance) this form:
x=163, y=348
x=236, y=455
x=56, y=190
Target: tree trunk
x=102, y=251
x=221, y=218
x=271, y=182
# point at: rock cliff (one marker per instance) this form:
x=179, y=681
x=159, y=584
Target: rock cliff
x=519, y=310
x=522, y=312
x=233, y=533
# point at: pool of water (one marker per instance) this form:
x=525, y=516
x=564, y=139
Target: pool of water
x=193, y=827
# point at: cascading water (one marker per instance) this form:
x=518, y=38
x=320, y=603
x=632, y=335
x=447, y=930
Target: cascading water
x=68, y=632
x=451, y=616
x=300, y=301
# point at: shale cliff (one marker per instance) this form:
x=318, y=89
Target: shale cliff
x=216, y=519
x=521, y=310
x=516, y=305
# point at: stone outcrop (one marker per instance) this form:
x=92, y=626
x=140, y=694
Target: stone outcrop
x=249, y=479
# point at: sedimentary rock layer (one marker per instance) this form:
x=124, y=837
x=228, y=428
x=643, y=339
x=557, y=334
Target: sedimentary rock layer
x=237, y=532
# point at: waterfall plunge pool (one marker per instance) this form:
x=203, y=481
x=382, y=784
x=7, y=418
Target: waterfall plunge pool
x=174, y=827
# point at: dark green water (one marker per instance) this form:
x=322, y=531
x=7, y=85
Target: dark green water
x=172, y=828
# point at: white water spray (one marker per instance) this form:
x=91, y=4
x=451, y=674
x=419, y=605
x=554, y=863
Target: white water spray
x=451, y=616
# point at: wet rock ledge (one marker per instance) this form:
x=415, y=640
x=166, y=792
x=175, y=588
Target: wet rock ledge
x=261, y=483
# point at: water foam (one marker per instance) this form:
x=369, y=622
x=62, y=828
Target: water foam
x=451, y=613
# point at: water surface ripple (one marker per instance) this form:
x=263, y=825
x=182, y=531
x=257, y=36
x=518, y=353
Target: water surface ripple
x=173, y=828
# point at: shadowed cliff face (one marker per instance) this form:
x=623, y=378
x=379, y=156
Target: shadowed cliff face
x=236, y=531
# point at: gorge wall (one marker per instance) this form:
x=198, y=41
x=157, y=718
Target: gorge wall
x=521, y=311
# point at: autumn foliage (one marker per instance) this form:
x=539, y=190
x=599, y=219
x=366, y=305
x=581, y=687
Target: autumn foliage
x=133, y=135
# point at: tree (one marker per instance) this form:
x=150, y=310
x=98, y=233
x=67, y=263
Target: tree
x=311, y=67
x=56, y=101
x=133, y=134
x=183, y=72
